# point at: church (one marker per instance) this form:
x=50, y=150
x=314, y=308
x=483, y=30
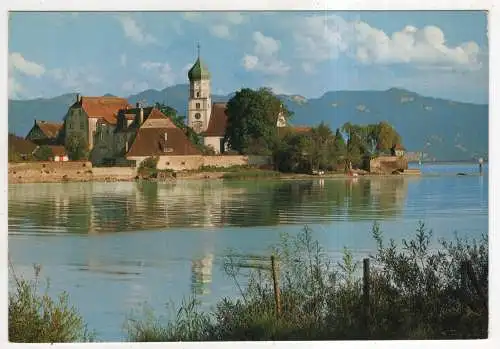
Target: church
x=117, y=132
x=204, y=117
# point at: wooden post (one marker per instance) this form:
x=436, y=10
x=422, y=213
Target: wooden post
x=275, y=274
x=366, y=292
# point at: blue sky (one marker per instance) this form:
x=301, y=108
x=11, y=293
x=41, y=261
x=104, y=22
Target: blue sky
x=440, y=54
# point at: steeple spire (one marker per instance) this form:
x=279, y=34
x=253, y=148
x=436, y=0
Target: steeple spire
x=198, y=49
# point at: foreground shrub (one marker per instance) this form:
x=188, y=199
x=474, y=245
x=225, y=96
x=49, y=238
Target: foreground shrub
x=415, y=293
x=35, y=318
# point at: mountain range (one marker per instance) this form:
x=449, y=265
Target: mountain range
x=443, y=129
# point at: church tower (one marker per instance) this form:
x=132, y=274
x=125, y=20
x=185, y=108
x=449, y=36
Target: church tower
x=200, y=101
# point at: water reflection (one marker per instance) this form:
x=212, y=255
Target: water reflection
x=109, y=207
x=201, y=277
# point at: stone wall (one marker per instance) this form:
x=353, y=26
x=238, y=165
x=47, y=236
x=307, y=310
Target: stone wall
x=194, y=162
x=387, y=164
x=33, y=172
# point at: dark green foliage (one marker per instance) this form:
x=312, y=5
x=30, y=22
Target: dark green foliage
x=77, y=147
x=38, y=318
x=43, y=153
x=252, y=118
x=416, y=293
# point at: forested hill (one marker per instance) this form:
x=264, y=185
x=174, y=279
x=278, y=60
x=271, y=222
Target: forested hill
x=444, y=129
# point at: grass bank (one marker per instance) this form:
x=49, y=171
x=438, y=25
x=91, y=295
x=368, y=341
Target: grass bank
x=402, y=291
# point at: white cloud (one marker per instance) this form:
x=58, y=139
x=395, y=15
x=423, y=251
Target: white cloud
x=265, y=56
x=250, y=62
x=18, y=63
x=220, y=31
x=324, y=37
x=163, y=72
x=15, y=88
x=123, y=60
x=76, y=79
x=134, y=32
x=224, y=22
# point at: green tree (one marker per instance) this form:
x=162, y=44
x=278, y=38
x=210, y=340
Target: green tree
x=339, y=145
x=43, y=153
x=387, y=137
x=77, y=147
x=252, y=118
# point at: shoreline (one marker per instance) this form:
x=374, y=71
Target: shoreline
x=195, y=176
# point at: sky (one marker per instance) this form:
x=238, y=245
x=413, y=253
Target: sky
x=435, y=53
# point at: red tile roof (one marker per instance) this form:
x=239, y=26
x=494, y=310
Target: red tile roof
x=58, y=150
x=218, y=121
x=49, y=129
x=157, y=114
x=104, y=107
x=151, y=142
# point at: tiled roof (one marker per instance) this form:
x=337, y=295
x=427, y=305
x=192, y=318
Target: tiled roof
x=104, y=107
x=156, y=119
x=151, y=142
x=21, y=145
x=58, y=150
x=218, y=121
x=49, y=129
x=399, y=147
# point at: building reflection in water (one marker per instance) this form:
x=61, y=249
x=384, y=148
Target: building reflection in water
x=94, y=208
x=201, y=275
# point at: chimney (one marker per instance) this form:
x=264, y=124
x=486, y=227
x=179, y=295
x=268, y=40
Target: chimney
x=137, y=105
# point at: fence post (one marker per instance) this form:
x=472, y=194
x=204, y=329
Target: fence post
x=366, y=292
x=275, y=274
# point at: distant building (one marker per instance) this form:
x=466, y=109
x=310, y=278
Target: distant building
x=46, y=133
x=83, y=116
x=398, y=150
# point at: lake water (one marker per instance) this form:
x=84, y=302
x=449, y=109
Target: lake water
x=115, y=246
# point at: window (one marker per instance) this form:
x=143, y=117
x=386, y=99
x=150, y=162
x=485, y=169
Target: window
x=197, y=94
x=197, y=116
x=70, y=126
x=82, y=125
x=197, y=105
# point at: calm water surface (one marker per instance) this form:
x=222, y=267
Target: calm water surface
x=116, y=246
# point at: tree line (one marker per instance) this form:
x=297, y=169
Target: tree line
x=252, y=129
